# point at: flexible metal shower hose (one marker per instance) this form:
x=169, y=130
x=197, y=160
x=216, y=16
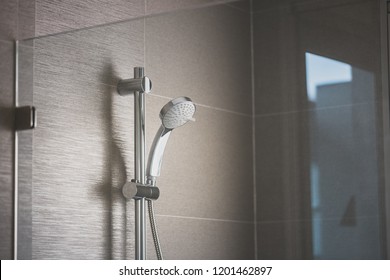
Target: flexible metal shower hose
x=154, y=230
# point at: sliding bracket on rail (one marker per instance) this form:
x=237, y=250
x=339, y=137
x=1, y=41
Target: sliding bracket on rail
x=135, y=190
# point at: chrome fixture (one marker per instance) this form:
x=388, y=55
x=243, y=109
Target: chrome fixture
x=129, y=86
x=175, y=113
x=138, y=86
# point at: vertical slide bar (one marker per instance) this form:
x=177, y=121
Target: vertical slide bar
x=16, y=155
x=139, y=116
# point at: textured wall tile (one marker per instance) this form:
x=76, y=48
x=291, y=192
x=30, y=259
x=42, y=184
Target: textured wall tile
x=83, y=144
x=284, y=241
x=158, y=6
x=26, y=72
x=204, y=54
x=58, y=16
x=243, y=5
x=26, y=23
x=320, y=239
x=344, y=152
x=6, y=149
x=284, y=41
x=356, y=24
x=100, y=55
x=198, y=239
x=207, y=166
x=25, y=166
x=317, y=168
x=13, y=25
x=265, y=5
x=274, y=62
x=275, y=145
x=25, y=152
x=8, y=20
x=7, y=73
x=17, y=19
x=259, y=6
x=324, y=156
x=83, y=149
x=60, y=233
x=353, y=239
x=83, y=154
x=314, y=166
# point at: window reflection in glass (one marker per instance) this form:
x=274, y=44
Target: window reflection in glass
x=343, y=160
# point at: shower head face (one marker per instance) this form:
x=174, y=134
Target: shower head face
x=177, y=112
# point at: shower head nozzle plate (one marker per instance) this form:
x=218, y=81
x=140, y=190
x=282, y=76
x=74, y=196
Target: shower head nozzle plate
x=177, y=112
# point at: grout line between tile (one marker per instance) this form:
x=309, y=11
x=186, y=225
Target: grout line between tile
x=206, y=106
x=302, y=4
x=157, y=215
x=368, y=217
x=6, y=42
x=204, y=219
x=170, y=98
x=253, y=130
x=130, y=18
x=223, y=110
x=317, y=109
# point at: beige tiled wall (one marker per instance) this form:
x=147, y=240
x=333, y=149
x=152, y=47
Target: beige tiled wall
x=82, y=148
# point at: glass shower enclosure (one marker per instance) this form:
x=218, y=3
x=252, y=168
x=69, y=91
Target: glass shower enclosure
x=287, y=157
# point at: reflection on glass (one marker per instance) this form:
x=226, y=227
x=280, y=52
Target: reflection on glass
x=343, y=156
x=322, y=71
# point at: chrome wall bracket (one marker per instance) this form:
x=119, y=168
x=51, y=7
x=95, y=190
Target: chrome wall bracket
x=25, y=118
x=129, y=86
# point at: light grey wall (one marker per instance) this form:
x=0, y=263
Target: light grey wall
x=82, y=148
x=333, y=142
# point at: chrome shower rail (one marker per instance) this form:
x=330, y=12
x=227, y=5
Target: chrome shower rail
x=175, y=113
x=139, y=85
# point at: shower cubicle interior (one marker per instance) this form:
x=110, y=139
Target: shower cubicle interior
x=286, y=158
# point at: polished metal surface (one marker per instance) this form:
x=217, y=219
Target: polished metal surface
x=135, y=190
x=129, y=86
x=139, y=151
x=156, y=154
x=16, y=157
x=153, y=227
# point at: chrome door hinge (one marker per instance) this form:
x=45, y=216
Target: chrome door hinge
x=25, y=118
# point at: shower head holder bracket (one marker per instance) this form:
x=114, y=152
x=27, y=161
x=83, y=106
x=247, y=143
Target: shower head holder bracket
x=129, y=86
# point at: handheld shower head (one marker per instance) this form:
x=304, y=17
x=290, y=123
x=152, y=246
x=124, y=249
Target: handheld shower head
x=175, y=113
